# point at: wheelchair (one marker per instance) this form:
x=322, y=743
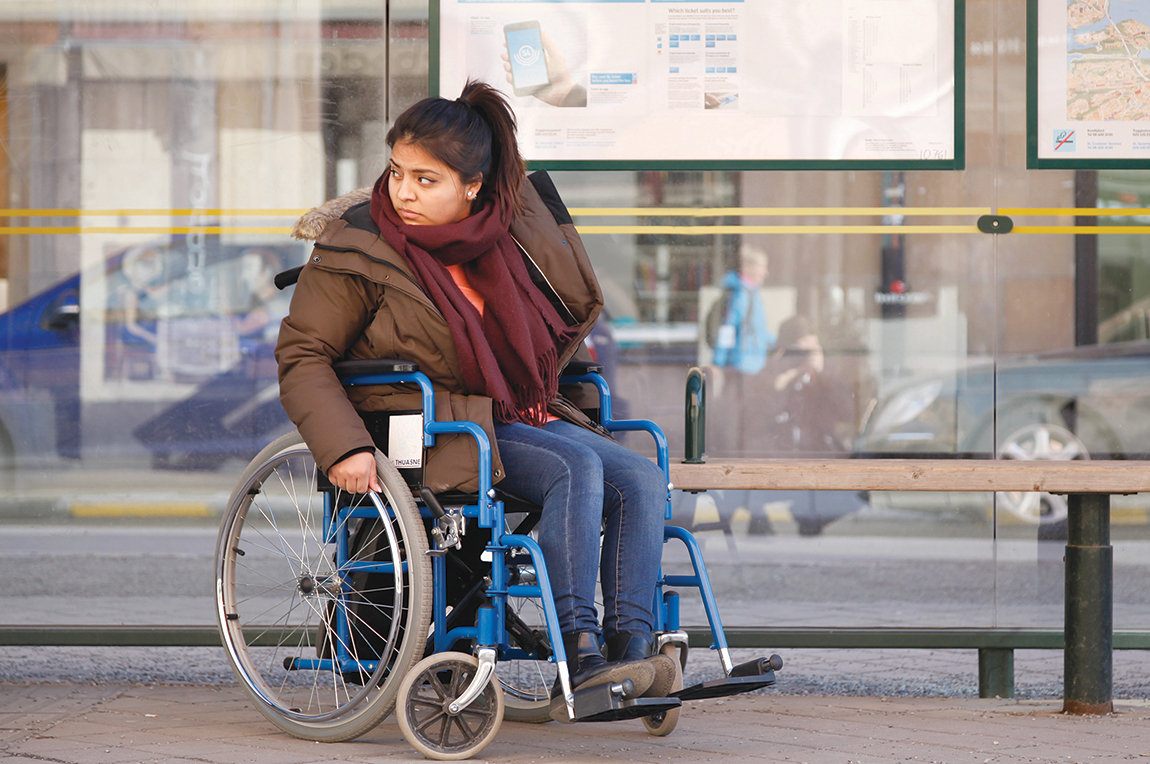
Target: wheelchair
x=337, y=609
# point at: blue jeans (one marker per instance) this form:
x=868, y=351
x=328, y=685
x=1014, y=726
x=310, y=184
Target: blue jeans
x=587, y=483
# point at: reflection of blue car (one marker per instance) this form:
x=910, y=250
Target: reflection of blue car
x=165, y=353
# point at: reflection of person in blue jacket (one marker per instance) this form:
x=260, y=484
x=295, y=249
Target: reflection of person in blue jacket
x=736, y=330
x=742, y=339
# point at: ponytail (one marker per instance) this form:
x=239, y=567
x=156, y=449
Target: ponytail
x=474, y=135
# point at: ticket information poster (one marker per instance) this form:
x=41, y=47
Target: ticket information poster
x=1089, y=83
x=760, y=83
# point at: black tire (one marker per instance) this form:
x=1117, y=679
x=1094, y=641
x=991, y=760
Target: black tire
x=7, y=461
x=810, y=527
x=278, y=587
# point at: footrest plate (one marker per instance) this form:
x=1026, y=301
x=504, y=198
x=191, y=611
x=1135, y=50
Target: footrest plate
x=627, y=708
x=600, y=704
x=721, y=688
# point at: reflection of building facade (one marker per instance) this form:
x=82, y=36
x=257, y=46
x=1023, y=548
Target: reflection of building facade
x=209, y=115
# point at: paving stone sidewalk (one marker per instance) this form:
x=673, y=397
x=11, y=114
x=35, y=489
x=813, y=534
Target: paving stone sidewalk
x=156, y=724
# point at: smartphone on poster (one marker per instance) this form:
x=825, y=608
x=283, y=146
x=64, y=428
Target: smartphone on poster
x=525, y=52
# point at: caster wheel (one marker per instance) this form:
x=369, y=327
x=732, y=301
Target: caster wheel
x=425, y=720
x=663, y=723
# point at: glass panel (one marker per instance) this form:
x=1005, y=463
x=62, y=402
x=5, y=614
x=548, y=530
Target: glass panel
x=817, y=343
x=158, y=155
x=1071, y=361
x=1034, y=312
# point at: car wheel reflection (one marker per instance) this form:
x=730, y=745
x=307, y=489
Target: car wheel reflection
x=1039, y=442
x=7, y=462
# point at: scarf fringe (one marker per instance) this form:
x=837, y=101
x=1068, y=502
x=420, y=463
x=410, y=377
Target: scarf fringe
x=529, y=404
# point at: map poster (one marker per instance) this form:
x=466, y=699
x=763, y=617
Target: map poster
x=1089, y=84
x=725, y=84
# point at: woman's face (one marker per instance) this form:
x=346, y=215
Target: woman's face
x=424, y=191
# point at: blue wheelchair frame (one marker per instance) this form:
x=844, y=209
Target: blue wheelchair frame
x=489, y=633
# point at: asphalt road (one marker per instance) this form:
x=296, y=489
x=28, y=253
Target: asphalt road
x=140, y=574
x=859, y=573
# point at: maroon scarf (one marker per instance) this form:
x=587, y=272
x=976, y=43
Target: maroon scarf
x=509, y=353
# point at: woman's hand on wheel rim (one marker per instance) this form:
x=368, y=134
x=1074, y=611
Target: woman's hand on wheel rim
x=355, y=474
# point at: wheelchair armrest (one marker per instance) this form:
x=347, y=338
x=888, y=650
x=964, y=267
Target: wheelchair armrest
x=345, y=369
x=577, y=368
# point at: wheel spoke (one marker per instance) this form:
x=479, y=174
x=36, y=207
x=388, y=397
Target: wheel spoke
x=468, y=733
x=444, y=730
x=436, y=715
x=1047, y=441
x=476, y=710
x=1014, y=451
x=1042, y=448
x=437, y=684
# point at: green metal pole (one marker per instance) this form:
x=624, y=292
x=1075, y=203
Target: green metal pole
x=696, y=424
x=995, y=672
x=1088, y=671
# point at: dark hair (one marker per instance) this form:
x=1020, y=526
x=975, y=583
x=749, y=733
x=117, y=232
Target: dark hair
x=473, y=135
x=794, y=329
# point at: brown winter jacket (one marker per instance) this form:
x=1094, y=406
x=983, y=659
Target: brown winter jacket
x=357, y=298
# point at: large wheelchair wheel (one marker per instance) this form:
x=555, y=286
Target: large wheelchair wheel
x=527, y=679
x=321, y=647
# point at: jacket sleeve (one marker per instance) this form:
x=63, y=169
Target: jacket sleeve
x=329, y=312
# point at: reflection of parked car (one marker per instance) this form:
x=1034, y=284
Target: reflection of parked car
x=164, y=353
x=1089, y=402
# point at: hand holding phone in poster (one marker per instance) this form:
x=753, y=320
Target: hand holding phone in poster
x=535, y=67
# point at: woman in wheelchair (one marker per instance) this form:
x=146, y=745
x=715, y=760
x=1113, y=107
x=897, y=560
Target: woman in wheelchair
x=462, y=264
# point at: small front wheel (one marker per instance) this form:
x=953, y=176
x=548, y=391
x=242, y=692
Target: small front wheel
x=664, y=722
x=425, y=718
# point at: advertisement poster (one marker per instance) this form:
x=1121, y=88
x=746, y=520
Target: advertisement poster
x=629, y=82
x=1090, y=83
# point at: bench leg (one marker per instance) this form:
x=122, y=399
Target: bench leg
x=1088, y=669
x=995, y=672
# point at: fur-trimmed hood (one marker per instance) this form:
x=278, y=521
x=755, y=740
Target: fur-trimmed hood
x=311, y=225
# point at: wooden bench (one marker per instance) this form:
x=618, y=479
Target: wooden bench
x=1088, y=637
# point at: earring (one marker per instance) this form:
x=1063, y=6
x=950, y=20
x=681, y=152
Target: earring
x=470, y=194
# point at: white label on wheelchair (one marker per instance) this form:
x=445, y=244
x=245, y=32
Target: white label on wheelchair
x=405, y=440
